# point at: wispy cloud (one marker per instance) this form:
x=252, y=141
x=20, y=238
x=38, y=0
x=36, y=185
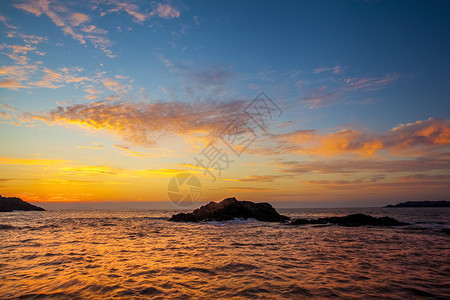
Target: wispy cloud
x=336, y=88
x=126, y=151
x=69, y=22
x=6, y=22
x=431, y=162
x=96, y=146
x=56, y=79
x=336, y=69
x=371, y=83
x=140, y=15
x=93, y=170
x=246, y=189
x=262, y=178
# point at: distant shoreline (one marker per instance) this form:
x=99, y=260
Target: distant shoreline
x=421, y=204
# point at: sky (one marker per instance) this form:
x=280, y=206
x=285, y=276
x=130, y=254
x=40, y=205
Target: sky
x=332, y=103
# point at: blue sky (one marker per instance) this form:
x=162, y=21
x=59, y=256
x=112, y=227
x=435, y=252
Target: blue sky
x=93, y=90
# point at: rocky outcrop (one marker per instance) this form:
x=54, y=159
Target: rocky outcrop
x=352, y=220
x=230, y=209
x=12, y=203
x=422, y=204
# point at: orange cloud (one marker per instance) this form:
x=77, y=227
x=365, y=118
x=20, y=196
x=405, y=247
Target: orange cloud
x=78, y=18
x=415, y=137
x=144, y=123
x=410, y=139
x=347, y=141
x=114, y=85
x=11, y=84
x=341, y=142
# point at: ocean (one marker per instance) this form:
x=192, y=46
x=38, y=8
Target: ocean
x=118, y=254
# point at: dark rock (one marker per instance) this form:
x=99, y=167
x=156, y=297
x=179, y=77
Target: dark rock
x=230, y=209
x=12, y=203
x=300, y=222
x=422, y=204
x=352, y=220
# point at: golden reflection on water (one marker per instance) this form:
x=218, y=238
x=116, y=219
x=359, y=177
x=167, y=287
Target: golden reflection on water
x=93, y=255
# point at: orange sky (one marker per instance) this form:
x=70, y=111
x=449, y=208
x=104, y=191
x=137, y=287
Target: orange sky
x=108, y=102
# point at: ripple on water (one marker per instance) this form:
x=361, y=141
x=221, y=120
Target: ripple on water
x=135, y=255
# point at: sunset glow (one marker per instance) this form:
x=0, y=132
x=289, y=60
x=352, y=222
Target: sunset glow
x=106, y=101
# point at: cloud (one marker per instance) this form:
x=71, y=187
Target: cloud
x=261, y=178
x=78, y=18
x=93, y=170
x=125, y=150
x=6, y=22
x=19, y=49
x=11, y=84
x=342, y=142
x=424, y=178
x=95, y=146
x=413, y=184
x=321, y=96
x=334, y=182
x=28, y=39
x=4, y=115
x=336, y=70
x=246, y=189
x=166, y=11
x=196, y=20
x=53, y=79
x=371, y=83
x=114, y=85
x=93, y=91
x=335, y=88
x=413, y=139
x=143, y=123
x=131, y=9
x=68, y=22
x=215, y=75
x=431, y=162
x=94, y=29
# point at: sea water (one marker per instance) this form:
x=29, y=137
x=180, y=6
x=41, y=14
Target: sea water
x=107, y=254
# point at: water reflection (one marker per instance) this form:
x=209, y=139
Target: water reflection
x=126, y=254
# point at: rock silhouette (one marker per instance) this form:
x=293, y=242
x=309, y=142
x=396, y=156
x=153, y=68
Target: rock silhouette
x=230, y=209
x=352, y=220
x=8, y=204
